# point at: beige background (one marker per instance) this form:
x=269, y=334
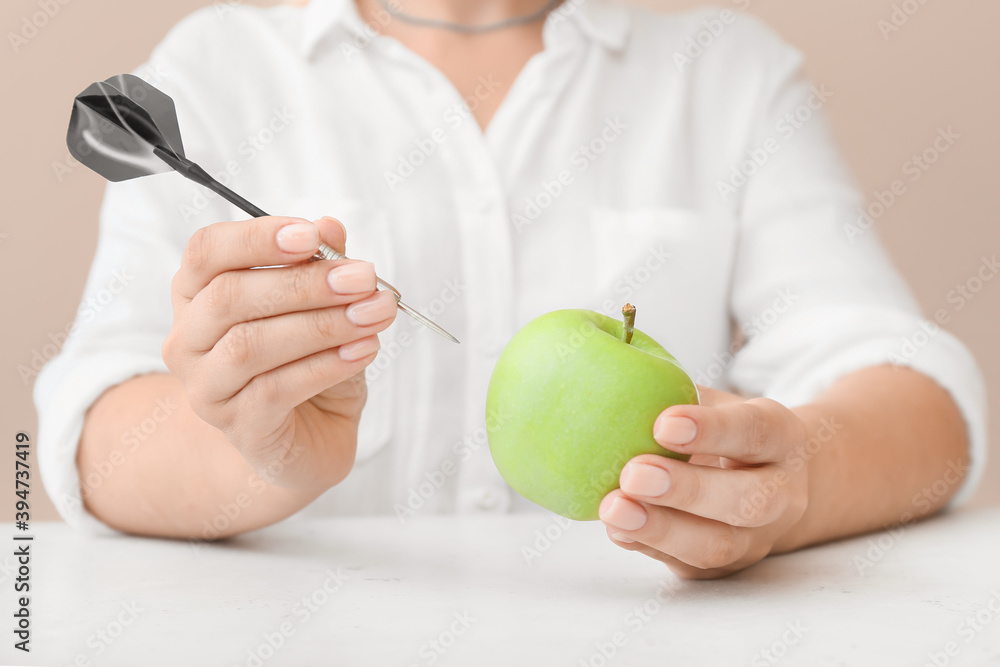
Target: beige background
x=940, y=69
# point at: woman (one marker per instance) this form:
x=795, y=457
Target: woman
x=496, y=160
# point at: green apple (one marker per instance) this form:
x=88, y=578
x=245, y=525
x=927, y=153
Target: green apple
x=572, y=399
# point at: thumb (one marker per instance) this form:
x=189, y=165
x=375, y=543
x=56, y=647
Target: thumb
x=333, y=233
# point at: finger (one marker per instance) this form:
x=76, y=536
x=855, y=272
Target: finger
x=333, y=233
x=748, y=497
x=229, y=246
x=289, y=386
x=695, y=540
x=754, y=431
x=680, y=568
x=253, y=294
x=259, y=346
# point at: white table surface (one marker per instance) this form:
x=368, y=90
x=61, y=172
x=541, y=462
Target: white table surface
x=406, y=585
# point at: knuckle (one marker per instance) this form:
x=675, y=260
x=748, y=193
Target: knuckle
x=319, y=371
x=256, y=400
x=327, y=324
x=723, y=549
x=175, y=351
x=688, y=493
x=175, y=284
x=661, y=536
x=168, y=351
x=220, y=293
x=198, y=251
x=773, y=508
x=263, y=390
x=756, y=434
x=242, y=342
x=757, y=508
x=298, y=284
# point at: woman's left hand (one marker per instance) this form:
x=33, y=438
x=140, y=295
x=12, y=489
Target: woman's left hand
x=743, y=490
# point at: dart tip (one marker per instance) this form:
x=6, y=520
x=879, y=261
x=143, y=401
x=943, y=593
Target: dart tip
x=426, y=322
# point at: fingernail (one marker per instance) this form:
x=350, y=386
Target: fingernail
x=640, y=479
x=622, y=538
x=298, y=237
x=674, y=430
x=624, y=514
x=352, y=278
x=359, y=349
x=378, y=307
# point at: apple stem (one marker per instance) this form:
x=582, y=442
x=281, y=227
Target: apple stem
x=628, y=312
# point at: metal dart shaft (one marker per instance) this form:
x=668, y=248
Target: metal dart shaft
x=423, y=320
x=326, y=252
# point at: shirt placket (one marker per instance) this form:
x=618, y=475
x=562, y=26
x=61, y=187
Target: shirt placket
x=479, y=197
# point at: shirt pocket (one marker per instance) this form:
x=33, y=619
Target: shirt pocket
x=368, y=239
x=675, y=266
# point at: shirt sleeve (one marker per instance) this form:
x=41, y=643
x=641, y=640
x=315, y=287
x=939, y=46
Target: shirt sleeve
x=813, y=292
x=125, y=312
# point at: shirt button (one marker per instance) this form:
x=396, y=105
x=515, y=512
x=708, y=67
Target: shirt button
x=492, y=499
x=488, y=500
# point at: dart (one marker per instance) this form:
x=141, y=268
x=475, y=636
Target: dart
x=124, y=128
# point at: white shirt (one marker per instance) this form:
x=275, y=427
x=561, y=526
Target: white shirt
x=615, y=170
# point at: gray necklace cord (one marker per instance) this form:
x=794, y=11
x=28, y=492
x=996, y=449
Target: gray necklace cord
x=470, y=29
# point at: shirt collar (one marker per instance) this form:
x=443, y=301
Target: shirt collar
x=324, y=20
x=605, y=22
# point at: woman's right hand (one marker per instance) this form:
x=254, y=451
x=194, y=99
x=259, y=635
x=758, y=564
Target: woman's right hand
x=273, y=357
